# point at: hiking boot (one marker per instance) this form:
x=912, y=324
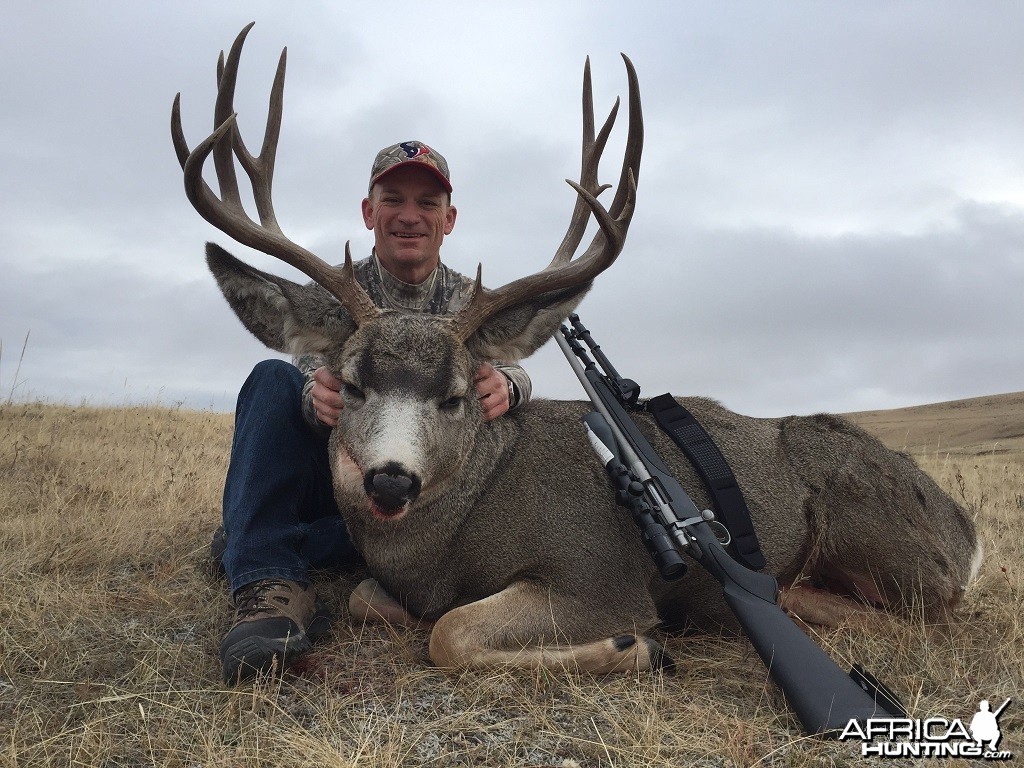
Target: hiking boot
x=274, y=619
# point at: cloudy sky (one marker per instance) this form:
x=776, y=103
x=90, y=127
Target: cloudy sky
x=830, y=211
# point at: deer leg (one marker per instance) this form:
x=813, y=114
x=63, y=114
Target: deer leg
x=824, y=608
x=370, y=604
x=519, y=627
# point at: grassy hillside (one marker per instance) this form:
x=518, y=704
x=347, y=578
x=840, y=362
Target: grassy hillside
x=110, y=623
x=979, y=426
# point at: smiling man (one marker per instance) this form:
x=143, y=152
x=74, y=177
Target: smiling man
x=280, y=518
x=409, y=209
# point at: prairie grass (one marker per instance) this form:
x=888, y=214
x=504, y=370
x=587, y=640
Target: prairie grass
x=111, y=619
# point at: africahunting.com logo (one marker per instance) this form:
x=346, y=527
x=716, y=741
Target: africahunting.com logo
x=931, y=737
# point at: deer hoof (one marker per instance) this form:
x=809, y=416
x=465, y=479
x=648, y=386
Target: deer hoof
x=659, y=660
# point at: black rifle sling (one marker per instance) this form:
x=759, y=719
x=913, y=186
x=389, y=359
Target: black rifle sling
x=714, y=470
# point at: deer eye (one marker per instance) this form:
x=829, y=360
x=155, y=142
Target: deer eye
x=353, y=391
x=452, y=403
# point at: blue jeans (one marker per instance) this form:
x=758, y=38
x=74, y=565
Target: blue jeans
x=280, y=517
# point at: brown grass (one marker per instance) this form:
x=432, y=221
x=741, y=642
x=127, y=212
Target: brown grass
x=110, y=623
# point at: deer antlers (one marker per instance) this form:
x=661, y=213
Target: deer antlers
x=227, y=213
x=563, y=271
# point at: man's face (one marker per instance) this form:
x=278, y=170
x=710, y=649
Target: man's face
x=409, y=214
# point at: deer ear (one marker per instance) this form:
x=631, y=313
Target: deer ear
x=287, y=317
x=520, y=330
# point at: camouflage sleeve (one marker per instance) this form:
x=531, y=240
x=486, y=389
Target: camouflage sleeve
x=307, y=365
x=520, y=379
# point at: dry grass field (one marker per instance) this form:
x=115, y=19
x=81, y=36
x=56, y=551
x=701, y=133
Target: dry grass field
x=110, y=622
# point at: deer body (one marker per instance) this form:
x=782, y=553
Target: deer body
x=521, y=500
x=828, y=501
x=504, y=536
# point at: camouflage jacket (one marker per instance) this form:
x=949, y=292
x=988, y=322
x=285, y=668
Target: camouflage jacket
x=443, y=293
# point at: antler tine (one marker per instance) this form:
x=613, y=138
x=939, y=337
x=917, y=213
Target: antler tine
x=592, y=150
x=634, y=141
x=181, y=149
x=592, y=153
x=260, y=169
x=227, y=213
x=564, y=271
x=224, y=109
x=631, y=164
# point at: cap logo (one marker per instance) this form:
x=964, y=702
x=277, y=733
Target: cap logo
x=414, y=149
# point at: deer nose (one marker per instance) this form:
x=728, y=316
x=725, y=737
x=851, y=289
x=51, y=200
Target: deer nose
x=391, y=486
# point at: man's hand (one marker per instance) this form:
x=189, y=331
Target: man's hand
x=492, y=391
x=327, y=400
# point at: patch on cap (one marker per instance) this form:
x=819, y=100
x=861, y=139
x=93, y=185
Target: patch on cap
x=410, y=152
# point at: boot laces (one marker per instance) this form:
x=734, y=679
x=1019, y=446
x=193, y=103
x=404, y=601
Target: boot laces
x=254, y=599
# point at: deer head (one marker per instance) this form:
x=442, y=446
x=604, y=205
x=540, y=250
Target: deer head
x=407, y=379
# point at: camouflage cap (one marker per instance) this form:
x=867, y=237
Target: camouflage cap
x=391, y=157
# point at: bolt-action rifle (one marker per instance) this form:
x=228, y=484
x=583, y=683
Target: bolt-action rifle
x=823, y=696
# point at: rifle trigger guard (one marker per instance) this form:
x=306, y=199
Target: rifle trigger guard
x=717, y=528
x=721, y=533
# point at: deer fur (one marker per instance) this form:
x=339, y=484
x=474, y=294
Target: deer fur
x=512, y=549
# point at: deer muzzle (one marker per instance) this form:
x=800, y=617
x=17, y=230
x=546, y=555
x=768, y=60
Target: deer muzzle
x=390, y=488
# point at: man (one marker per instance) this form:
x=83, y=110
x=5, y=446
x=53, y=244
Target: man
x=280, y=517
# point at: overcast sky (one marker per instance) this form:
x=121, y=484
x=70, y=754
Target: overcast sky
x=830, y=212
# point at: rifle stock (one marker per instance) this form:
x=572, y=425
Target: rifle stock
x=823, y=696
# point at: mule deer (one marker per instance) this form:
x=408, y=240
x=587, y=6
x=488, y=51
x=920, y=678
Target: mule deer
x=467, y=527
